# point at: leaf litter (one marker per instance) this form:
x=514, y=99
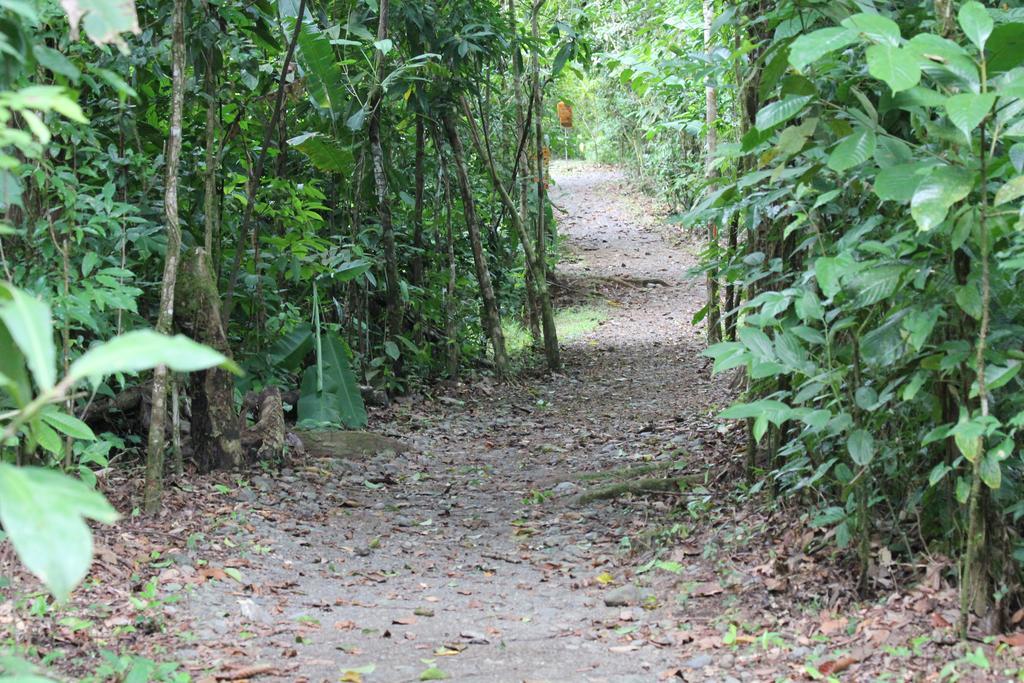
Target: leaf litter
x=235, y=580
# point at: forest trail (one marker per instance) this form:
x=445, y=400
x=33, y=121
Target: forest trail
x=467, y=554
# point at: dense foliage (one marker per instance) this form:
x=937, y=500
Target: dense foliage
x=333, y=198
x=861, y=196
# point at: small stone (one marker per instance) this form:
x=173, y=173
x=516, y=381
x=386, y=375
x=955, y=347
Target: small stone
x=726, y=661
x=623, y=596
x=246, y=495
x=253, y=612
x=698, y=662
x=565, y=488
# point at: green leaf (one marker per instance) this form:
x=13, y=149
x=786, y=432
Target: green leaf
x=861, y=446
x=919, y=326
x=104, y=20
x=433, y=674
x=991, y=471
x=67, y=424
x=325, y=80
x=852, y=151
x=30, y=325
x=89, y=262
x=898, y=68
x=144, y=350
x=56, y=62
x=781, y=111
x=325, y=153
x=941, y=189
x=968, y=298
x=42, y=512
x=810, y=47
x=1005, y=47
x=340, y=401
x=1013, y=189
x=289, y=351
x=827, y=270
x=976, y=22
x=968, y=435
x=967, y=110
x=874, y=27
x=898, y=183
x=758, y=343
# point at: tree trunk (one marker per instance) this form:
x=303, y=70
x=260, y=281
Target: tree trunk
x=492, y=316
x=538, y=124
x=392, y=286
x=711, y=103
x=256, y=174
x=215, y=424
x=522, y=165
x=211, y=207
x=417, y=212
x=551, y=351
x=157, y=437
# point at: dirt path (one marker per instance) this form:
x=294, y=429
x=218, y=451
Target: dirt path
x=468, y=552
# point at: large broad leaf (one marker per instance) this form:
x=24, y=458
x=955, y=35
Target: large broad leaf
x=104, y=20
x=781, y=111
x=946, y=61
x=12, y=369
x=853, y=150
x=289, y=351
x=877, y=283
x=42, y=512
x=944, y=187
x=975, y=21
x=861, y=446
x=874, y=27
x=1005, y=47
x=1013, y=189
x=325, y=153
x=338, y=401
x=143, y=350
x=967, y=110
x=899, y=68
x=811, y=47
x=325, y=81
x=30, y=325
x=898, y=183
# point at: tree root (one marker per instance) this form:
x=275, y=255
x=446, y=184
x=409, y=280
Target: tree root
x=651, y=485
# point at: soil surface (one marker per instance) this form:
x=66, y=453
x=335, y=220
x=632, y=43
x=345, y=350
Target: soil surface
x=487, y=532
x=464, y=550
x=473, y=551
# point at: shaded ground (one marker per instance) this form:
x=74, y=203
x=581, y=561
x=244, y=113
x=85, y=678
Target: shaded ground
x=461, y=548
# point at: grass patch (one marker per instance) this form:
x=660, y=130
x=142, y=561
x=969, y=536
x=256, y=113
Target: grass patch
x=571, y=323
x=576, y=321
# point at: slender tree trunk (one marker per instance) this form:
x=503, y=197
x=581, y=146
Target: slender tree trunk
x=551, y=351
x=492, y=316
x=711, y=103
x=538, y=125
x=387, y=229
x=450, y=301
x=417, y=212
x=211, y=207
x=533, y=308
x=157, y=437
x=256, y=174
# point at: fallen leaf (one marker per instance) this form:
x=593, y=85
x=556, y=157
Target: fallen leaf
x=836, y=665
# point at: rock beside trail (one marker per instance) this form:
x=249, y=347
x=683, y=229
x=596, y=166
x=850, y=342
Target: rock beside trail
x=623, y=596
x=349, y=445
